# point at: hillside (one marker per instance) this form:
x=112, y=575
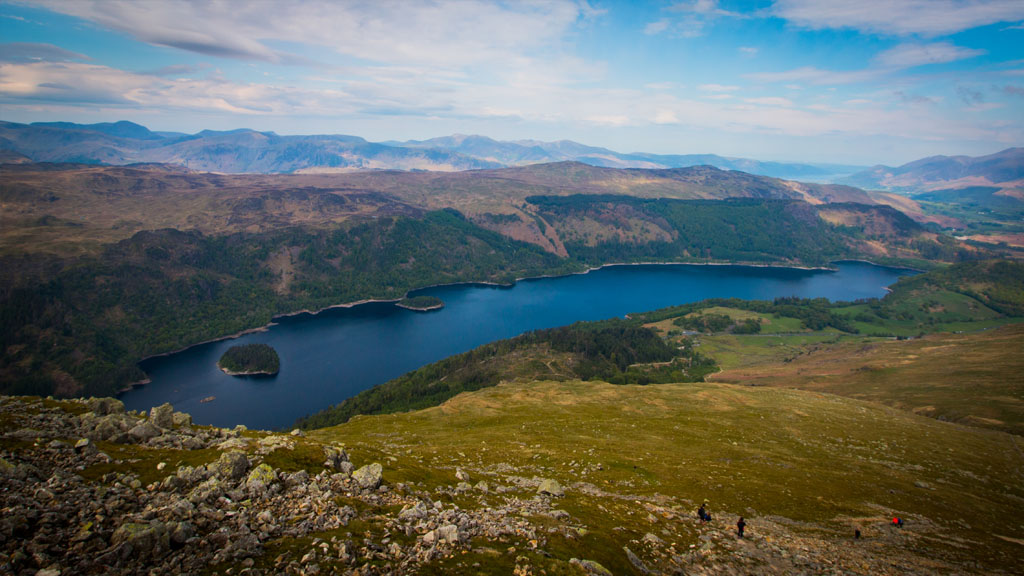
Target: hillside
x=74, y=209
x=538, y=477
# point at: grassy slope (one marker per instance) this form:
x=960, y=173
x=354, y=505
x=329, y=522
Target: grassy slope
x=802, y=467
x=975, y=379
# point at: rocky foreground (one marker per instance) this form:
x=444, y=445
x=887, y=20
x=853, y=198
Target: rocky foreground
x=89, y=488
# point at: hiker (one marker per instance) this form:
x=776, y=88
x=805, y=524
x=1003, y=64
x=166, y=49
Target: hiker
x=740, y=526
x=702, y=514
x=897, y=522
x=856, y=534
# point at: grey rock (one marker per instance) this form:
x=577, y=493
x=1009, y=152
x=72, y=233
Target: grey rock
x=182, y=420
x=231, y=466
x=145, y=541
x=104, y=406
x=461, y=475
x=85, y=447
x=370, y=476
x=551, y=488
x=260, y=478
x=335, y=457
x=636, y=561
x=590, y=567
x=448, y=533
x=419, y=510
x=181, y=533
x=300, y=478
x=143, y=432
x=162, y=416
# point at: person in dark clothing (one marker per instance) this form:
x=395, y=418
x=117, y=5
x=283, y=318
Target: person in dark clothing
x=740, y=526
x=702, y=514
x=856, y=534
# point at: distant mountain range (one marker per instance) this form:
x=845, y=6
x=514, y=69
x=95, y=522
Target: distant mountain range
x=248, y=151
x=1004, y=170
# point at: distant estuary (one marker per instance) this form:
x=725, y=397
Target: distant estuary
x=328, y=357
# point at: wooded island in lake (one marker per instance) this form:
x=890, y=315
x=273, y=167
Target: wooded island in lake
x=250, y=360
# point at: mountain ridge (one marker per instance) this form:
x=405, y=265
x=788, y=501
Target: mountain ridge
x=1003, y=169
x=250, y=151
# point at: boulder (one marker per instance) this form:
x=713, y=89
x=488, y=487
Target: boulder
x=108, y=427
x=104, y=406
x=590, y=567
x=230, y=466
x=85, y=447
x=143, y=432
x=181, y=532
x=551, y=488
x=260, y=478
x=336, y=456
x=162, y=416
x=146, y=541
x=414, y=512
x=461, y=475
x=300, y=478
x=448, y=534
x=370, y=476
x=182, y=420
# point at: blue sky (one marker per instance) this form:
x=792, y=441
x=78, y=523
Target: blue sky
x=863, y=81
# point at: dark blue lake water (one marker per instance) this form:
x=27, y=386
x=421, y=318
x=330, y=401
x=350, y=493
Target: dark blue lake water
x=328, y=357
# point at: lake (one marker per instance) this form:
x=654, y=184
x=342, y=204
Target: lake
x=333, y=355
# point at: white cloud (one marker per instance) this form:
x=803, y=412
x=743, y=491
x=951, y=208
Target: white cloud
x=812, y=75
x=717, y=88
x=665, y=117
x=445, y=34
x=657, y=27
x=37, y=52
x=770, y=101
x=749, y=50
x=899, y=17
x=911, y=55
x=690, y=18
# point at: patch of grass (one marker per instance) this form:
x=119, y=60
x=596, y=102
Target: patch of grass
x=143, y=461
x=975, y=379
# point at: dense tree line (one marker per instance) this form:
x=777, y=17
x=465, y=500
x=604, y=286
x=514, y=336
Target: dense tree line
x=260, y=358
x=737, y=230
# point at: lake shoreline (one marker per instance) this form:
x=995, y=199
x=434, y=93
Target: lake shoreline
x=395, y=301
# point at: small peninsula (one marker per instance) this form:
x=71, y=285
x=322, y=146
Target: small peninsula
x=421, y=303
x=250, y=360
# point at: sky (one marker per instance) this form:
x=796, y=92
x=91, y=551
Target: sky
x=862, y=81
